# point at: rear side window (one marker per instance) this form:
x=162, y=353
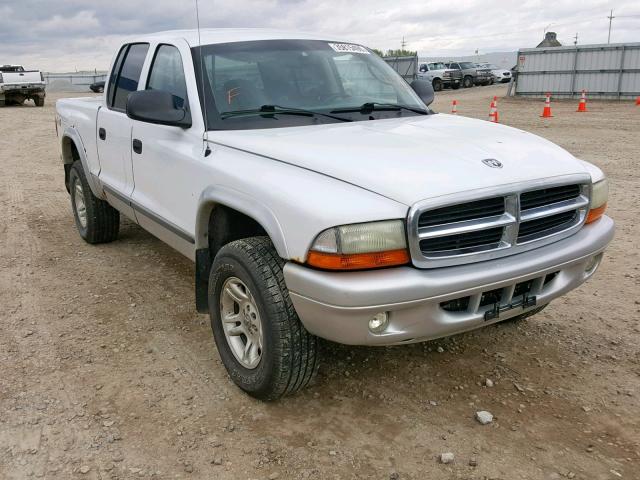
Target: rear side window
x=114, y=74
x=129, y=69
x=167, y=74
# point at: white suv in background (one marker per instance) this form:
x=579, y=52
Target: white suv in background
x=501, y=75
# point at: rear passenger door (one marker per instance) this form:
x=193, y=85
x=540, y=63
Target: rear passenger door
x=114, y=127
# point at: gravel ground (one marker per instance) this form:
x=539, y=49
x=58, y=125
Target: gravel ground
x=107, y=371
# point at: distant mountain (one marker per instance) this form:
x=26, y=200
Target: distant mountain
x=501, y=59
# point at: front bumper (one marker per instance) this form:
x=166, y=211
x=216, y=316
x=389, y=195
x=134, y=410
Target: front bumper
x=338, y=306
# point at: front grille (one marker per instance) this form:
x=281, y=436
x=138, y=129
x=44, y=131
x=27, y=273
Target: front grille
x=496, y=225
x=464, y=211
x=545, y=225
x=464, y=242
x=537, y=198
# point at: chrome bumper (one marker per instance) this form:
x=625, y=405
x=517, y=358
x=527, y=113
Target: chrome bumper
x=338, y=306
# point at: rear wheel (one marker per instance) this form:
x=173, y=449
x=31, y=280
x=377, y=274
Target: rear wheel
x=437, y=84
x=97, y=221
x=39, y=101
x=261, y=341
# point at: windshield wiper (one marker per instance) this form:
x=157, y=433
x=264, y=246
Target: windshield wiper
x=370, y=107
x=279, y=110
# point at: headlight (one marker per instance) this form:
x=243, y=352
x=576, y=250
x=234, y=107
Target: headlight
x=599, y=197
x=360, y=246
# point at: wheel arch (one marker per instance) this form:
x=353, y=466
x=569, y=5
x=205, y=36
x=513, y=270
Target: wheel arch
x=72, y=149
x=232, y=206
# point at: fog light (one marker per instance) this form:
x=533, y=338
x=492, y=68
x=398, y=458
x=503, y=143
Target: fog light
x=592, y=264
x=379, y=322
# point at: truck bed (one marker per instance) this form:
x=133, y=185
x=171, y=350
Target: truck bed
x=81, y=114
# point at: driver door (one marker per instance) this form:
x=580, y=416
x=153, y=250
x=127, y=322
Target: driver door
x=165, y=162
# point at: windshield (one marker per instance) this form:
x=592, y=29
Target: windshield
x=437, y=66
x=240, y=78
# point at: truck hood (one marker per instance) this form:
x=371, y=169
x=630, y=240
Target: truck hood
x=412, y=158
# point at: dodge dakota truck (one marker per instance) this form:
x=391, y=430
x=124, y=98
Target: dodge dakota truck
x=18, y=85
x=319, y=195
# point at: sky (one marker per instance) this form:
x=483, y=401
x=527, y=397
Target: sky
x=69, y=35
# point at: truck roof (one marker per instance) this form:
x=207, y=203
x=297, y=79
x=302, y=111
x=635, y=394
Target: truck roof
x=226, y=35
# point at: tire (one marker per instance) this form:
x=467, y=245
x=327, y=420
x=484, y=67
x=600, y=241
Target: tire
x=39, y=101
x=96, y=220
x=467, y=82
x=100, y=90
x=286, y=356
x=437, y=84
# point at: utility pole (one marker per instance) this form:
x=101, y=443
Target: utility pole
x=404, y=44
x=575, y=39
x=610, y=17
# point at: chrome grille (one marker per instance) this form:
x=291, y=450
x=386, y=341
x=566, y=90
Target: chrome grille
x=456, y=229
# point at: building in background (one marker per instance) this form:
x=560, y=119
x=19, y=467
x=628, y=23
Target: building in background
x=550, y=40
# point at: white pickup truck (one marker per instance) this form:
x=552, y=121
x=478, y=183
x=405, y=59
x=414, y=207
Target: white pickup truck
x=18, y=85
x=320, y=196
x=439, y=75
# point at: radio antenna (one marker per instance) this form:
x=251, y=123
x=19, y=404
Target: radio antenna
x=207, y=150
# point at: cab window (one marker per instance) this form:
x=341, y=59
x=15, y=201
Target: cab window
x=128, y=74
x=167, y=74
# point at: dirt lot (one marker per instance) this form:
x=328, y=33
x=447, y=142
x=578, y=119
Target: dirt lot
x=107, y=371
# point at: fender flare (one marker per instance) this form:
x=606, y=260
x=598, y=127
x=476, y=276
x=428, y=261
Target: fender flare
x=250, y=206
x=74, y=136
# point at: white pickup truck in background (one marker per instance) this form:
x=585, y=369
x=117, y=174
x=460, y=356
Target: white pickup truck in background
x=18, y=85
x=320, y=196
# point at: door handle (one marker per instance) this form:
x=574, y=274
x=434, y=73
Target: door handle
x=137, y=145
x=102, y=133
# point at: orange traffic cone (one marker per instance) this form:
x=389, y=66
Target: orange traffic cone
x=638, y=100
x=454, y=107
x=582, y=106
x=495, y=104
x=546, y=113
x=493, y=113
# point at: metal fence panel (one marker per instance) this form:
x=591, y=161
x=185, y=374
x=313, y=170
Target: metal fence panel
x=75, y=82
x=605, y=71
x=407, y=67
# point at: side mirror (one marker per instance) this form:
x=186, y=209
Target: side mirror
x=156, y=106
x=424, y=90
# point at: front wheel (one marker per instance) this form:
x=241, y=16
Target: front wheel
x=262, y=343
x=467, y=82
x=437, y=85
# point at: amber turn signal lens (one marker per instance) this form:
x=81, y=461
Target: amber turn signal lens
x=595, y=213
x=358, y=261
